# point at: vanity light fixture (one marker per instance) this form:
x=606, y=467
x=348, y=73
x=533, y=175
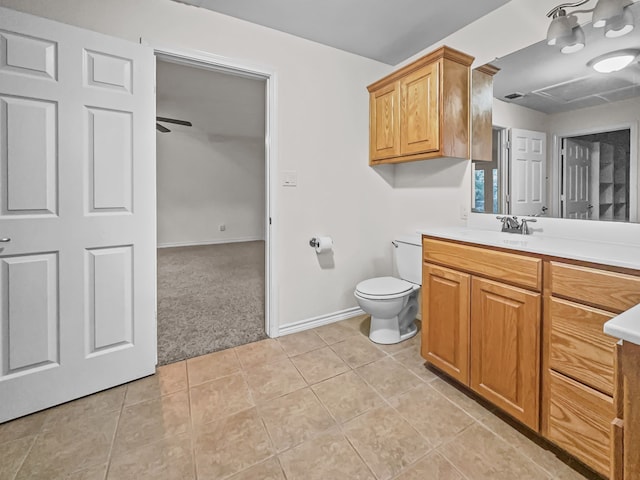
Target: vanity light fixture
x=614, y=61
x=614, y=15
x=565, y=32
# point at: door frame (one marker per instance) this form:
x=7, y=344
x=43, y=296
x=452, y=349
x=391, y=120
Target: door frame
x=232, y=66
x=555, y=179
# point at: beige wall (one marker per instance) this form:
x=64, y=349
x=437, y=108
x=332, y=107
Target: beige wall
x=323, y=135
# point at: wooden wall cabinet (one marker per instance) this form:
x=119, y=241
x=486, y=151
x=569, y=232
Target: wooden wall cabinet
x=481, y=331
x=482, y=112
x=422, y=110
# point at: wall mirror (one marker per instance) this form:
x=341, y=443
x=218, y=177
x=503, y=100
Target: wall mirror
x=565, y=137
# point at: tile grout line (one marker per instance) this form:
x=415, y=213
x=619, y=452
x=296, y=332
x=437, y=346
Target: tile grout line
x=192, y=433
x=115, y=434
x=33, y=442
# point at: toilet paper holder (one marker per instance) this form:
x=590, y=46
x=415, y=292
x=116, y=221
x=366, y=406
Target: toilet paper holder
x=314, y=242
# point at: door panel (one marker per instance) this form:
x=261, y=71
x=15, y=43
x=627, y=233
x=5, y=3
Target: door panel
x=30, y=56
x=110, y=297
x=28, y=163
x=577, y=178
x=505, y=348
x=29, y=286
x=110, y=160
x=77, y=196
x=527, y=172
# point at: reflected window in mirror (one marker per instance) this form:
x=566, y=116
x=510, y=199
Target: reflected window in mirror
x=488, y=178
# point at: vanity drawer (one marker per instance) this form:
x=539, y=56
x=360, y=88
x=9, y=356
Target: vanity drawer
x=578, y=347
x=612, y=291
x=508, y=267
x=580, y=421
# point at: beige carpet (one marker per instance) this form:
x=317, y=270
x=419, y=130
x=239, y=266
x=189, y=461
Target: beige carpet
x=210, y=298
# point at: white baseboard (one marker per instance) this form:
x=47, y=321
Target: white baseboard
x=319, y=321
x=210, y=242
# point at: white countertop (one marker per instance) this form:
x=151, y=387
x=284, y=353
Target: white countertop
x=606, y=253
x=625, y=326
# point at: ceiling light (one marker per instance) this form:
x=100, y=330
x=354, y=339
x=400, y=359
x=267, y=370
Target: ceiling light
x=607, y=11
x=614, y=15
x=620, y=25
x=565, y=32
x=574, y=43
x=613, y=61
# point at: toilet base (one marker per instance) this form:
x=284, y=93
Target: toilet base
x=386, y=331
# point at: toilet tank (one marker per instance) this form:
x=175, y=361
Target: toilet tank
x=408, y=253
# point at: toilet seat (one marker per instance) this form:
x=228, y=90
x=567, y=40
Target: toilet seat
x=383, y=288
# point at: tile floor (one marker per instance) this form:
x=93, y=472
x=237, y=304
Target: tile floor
x=321, y=404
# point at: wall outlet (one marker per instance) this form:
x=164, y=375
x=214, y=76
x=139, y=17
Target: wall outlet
x=222, y=227
x=464, y=212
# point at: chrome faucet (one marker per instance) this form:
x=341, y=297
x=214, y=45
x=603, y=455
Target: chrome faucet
x=512, y=225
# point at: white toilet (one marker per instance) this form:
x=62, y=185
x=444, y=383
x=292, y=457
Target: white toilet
x=393, y=302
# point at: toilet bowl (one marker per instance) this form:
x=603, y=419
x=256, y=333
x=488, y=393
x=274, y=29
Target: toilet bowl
x=393, y=302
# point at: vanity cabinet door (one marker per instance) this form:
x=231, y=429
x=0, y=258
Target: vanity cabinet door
x=420, y=113
x=384, y=122
x=445, y=317
x=505, y=348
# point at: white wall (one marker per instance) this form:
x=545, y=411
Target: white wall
x=323, y=121
x=323, y=135
x=204, y=181
x=510, y=115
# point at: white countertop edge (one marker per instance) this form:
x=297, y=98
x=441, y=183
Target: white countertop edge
x=616, y=254
x=625, y=326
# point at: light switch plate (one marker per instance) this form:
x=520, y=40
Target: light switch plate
x=289, y=178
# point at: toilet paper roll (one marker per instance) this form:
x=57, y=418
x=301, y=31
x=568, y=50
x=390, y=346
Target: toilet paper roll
x=323, y=244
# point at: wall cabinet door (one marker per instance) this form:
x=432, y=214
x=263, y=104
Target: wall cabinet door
x=445, y=332
x=384, y=122
x=505, y=348
x=420, y=113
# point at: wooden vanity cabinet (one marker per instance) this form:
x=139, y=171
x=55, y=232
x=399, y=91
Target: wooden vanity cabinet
x=422, y=110
x=579, y=373
x=481, y=329
x=446, y=306
x=505, y=348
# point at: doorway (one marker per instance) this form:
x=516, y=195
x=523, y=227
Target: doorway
x=213, y=208
x=596, y=176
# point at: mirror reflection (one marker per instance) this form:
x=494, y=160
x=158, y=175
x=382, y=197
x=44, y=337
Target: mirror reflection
x=565, y=137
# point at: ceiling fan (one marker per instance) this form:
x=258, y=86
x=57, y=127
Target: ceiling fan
x=163, y=129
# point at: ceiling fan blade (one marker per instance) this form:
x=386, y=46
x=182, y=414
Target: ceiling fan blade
x=162, y=128
x=173, y=120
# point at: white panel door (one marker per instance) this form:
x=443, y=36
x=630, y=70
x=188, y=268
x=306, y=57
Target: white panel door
x=577, y=184
x=527, y=172
x=77, y=208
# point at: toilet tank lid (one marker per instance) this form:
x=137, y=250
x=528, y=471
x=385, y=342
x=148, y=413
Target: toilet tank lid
x=410, y=238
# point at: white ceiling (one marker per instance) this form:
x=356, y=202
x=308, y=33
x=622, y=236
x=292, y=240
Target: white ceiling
x=385, y=30
x=554, y=82
x=219, y=104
